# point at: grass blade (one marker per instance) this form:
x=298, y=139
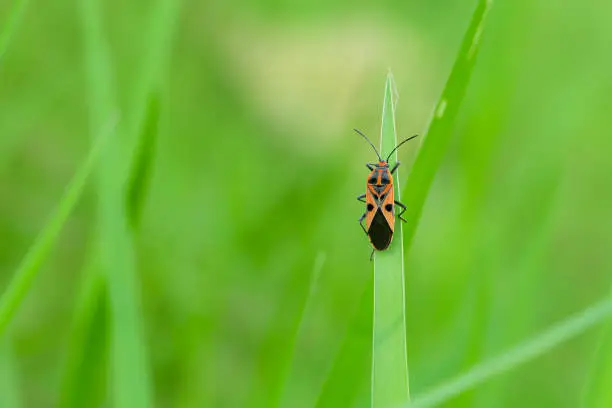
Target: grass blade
x=144, y=103
x=130, y=379
x=85, y=375
x=389, y=362
x=438, y=135
x=11, y=24
x=143, y=161
x=117, y=212
x=144, y=114
x=84, y=382
x=530, y=349
x=28, y=270
x=130, y=372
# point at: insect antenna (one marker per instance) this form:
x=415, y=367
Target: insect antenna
x=373, y=147
x=396, y=147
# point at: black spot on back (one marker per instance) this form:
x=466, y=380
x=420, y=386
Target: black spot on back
x=380, y=233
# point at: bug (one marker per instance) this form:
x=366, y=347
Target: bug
x=380, y=200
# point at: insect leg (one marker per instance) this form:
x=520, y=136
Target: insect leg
x=403, y=207
x=361, y=198
x=372, y=255
x=361, y=223
x=395, y=167
x=370, y=166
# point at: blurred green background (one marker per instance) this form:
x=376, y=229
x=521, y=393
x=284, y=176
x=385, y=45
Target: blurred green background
x=255, y=281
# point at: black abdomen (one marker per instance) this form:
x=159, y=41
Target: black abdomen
x=380, y=233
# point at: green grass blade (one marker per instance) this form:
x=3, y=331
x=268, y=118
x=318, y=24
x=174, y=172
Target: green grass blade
x=144, y=111
x=28, y=270
x=9, y=386
x=130, y=378
x=84, y=382
x=130, y=375
x=438, y=135
x=130, y=372
x=528, y=350
x=10, y=26
x=389, y=360
x=85, y=375
x=143, y=161
x=145, y=96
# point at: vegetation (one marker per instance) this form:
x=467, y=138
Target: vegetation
x=178, y=222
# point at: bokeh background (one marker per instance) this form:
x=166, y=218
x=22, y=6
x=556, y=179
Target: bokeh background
x=255, y=280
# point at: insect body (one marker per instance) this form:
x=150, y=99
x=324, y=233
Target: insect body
x=380, y=201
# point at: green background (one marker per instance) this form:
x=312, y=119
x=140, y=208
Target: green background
x=254, y=275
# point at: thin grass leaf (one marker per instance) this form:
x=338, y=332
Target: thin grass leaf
x=22, y=280
x=10, y=25
x=143, y=161
x=143, y=122
x=135, y=389
x=520, y=354
x=84, y=382
x=438, y=135
x=130, y=371
x=130, y=378
x=149, y=80
x=389, y=361
x=130, y=375
x=85, y=375
x=9, y=386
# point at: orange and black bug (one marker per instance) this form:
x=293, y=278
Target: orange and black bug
x=380, y=200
